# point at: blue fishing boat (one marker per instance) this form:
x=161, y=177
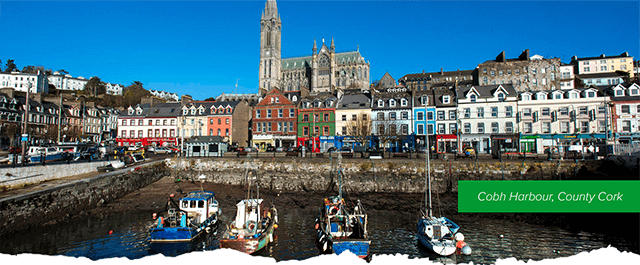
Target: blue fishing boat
x=193, y=215
x=339, y=228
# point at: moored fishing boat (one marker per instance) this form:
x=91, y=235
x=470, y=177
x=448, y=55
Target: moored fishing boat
x=192, y=216
x=340, y=229
x=254, y=224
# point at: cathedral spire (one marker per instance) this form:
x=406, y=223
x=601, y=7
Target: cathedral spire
x=315, y=47
x=270, y=10
x=333, y=46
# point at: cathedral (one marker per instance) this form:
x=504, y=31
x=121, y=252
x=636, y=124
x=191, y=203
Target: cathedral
x=323, y=71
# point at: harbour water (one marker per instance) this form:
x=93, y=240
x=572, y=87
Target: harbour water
x=392, y=232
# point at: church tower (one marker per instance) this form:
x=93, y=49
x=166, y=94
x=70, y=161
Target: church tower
x=270, y=31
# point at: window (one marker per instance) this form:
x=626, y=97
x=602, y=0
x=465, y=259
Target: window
x=344, y=117
x=633, y=92
x=403, y=102
x=584, y=127
x=602, y=110
x=493, y=73
x=227, y=121
x=381, y=129
x=430, y=129
x=268, y=113
x=500, y=72
x=546, y=127
x=452, y=114
x=280, y=113
x=508, y=111
x=452, y=128
x=467, y=128
x=625, y=109
x=467, y=113
x=269, y=127
x=445, y=99
x=584, y=110
x=392, y=103
x=316, y=130
x=316, y=117
x=480, y=127
x=291, y=126
x=545, y=112
x=305, y=131
x=380, y=116
x=564, y=127
x=405, y=115
x=219, y=121
x=325, y=130
x=602, y=126
x=364, y=116
x=124, y=122
x=132, y=122
x=123, y=134
x=405, y=129
x=527, y=127
x=392, y=116
x=564, y=111
x=441, y=128
x=501, y=97
x=420, y=128
x=626, y=126
x=480, y=112
x=508, y=127
x=305, y=117
x=526, y=112
x=258, y=114
x=473, y=98
x=494, y=111
x=291, y=113
x=495, y=127
x=380, y=103
x=430, y=115
x=440, y=115
x=344, y=130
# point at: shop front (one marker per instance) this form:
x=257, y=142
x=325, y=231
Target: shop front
x=504, y=144
x=284, y=141
x=446, y=143
x=479, y=142
x=559, y=143
x=309, y=142
x=155, y=141
x=261, y=141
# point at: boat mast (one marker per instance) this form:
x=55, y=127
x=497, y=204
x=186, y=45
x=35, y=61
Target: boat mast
x=428, y=164
x=340, y=183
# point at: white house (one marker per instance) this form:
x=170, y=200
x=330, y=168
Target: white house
x=626, y=112
x=559, y=118
x=67, y=82
x=488, y=117
x=22, y=81
x=113, y=89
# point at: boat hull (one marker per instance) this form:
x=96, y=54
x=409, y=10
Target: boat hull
x=251, y=245
x=360, y=247
x=179, y=233
x=442, y=249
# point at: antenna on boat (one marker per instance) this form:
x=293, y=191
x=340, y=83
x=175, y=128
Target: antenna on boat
x=202, y=178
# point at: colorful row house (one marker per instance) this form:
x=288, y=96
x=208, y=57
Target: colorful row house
x=145, y=125
x=316, y=122
x=392, y=119
x=625, y=106
x=274, y=120
x=228, y=120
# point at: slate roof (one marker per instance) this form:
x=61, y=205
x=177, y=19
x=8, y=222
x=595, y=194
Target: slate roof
x=438, y=74
x=302, y=62
x=601, y=75
x=354, y=101
x=165, y=110
x=487, y=91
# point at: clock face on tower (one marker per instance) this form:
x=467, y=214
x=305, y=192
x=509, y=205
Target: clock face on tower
x=268, y=53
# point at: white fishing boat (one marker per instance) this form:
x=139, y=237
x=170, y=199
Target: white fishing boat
x=438, y=234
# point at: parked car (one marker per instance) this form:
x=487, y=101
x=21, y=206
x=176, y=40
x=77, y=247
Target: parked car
x=280, y=149
x=468, y=151
x=15, y=150
x=162, y=150
x=250, y=149
x=332, y=149
x=271, y=149
x=346, y=151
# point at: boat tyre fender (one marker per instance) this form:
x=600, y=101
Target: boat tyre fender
x=251, y=226
x=334, y=210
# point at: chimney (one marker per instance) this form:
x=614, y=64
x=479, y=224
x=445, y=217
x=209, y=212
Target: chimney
x=149, y=100
x=90, y=104
x=501, y=57
x=602, y=55
x=625, y=54
x=185, y=99
x=422, y=71
x=524, y=56
x=441, y=70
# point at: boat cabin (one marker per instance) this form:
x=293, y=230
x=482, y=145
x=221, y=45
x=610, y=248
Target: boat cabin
x=199, y=205
x=248, y=211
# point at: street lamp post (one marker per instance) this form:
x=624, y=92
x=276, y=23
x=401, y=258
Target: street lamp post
x=24, y=124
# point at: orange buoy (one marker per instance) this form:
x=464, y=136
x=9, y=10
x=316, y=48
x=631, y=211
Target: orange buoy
x=275, y=226
x=460, y=244
x=171, y=195
x=110, y=232
x=317, y=225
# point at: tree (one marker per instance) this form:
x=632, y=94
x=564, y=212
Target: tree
x=51, y=133
x=133, y=94
x=10, y=66
x=387, y=131
x=30, y=69
x=360, y=128
x=95, y=86
x=10, y=131
x=63, y=72
x=210, y=99
x=0, y=66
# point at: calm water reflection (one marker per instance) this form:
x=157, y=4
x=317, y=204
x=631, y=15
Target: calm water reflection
x=392, y=232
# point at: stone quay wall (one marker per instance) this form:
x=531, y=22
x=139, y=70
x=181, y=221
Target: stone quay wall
x=20, y=176
x=364, y=175
x=57, y=203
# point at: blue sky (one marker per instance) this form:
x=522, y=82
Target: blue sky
x=201, y=48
